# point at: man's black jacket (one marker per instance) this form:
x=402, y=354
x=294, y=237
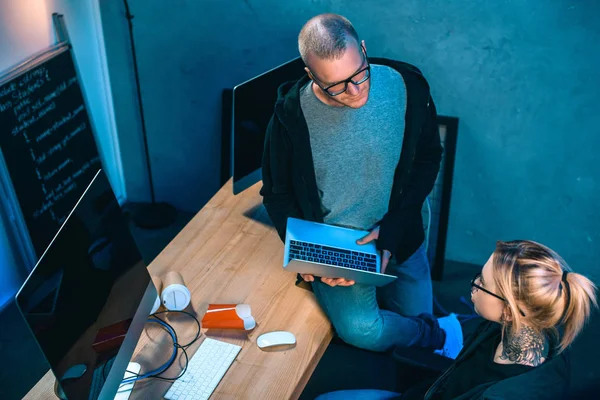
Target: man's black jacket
x=289, y=183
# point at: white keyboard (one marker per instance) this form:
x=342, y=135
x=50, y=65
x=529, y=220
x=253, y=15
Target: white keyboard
x=204, y=371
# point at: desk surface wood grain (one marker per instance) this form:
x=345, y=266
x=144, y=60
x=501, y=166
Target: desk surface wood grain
x=228, y=253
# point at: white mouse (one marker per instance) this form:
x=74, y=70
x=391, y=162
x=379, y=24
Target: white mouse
x=276, y=338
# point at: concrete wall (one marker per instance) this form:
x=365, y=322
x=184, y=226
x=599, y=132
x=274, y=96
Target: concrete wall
x=24, y=29
x=522, y=76
x=84, y=25
x=124, y=97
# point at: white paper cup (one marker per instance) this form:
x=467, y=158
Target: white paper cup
x=175, y=296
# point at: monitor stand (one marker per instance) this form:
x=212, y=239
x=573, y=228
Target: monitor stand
x=124, y=391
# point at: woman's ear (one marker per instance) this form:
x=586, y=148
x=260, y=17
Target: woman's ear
x=506, y=314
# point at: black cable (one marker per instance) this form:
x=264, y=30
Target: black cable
x=138, y=377
x=183, y=371
x=129, y=17
x=188, y=314
x=187, y=361
x=176, y=344
x=182, y=347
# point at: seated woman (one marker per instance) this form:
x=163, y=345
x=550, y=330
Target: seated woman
x=533, y=307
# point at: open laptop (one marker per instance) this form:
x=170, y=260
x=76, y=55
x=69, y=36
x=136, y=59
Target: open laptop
x=331, y=251
x=88, y=297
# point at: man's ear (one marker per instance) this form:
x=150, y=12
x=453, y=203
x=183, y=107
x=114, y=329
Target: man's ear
x=310, y=75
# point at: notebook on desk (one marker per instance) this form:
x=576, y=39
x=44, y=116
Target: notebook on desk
x=331, y=251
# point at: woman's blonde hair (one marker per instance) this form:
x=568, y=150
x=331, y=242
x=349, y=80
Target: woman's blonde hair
x=535, y=279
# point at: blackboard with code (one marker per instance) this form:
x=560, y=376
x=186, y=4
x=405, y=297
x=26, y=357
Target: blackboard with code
x=47, y=142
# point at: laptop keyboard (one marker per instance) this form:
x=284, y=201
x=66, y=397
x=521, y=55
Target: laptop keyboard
x=332, y=256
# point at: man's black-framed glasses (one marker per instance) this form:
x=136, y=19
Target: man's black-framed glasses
x=340, y=87
x=474, y=286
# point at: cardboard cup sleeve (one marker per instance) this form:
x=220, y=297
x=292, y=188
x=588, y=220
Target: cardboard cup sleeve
x=229, y=316
x=175, y=295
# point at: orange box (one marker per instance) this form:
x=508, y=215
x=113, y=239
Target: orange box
x=229, y=316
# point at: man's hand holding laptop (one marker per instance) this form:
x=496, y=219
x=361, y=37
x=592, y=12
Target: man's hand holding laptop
x=385, y=259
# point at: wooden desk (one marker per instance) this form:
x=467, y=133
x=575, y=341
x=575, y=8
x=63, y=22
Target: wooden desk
x=228, y=254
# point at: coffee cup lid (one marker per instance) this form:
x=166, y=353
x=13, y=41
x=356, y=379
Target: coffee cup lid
x=176, y=297
x=249, y=323
x=245, y=313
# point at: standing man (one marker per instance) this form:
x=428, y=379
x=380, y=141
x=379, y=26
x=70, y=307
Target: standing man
x=355, y=143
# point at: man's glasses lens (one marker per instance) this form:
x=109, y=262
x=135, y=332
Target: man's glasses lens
x=357, y=79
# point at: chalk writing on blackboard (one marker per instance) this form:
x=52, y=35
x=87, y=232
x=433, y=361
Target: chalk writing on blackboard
x=47, y=143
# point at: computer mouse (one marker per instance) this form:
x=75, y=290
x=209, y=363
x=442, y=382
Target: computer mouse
x=74, y=372
x=276, y=338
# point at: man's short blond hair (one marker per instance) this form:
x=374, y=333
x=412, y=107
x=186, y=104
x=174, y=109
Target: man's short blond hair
x=326, y=36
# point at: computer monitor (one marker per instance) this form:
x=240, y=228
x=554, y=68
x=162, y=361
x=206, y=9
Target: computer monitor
x=88, y=297
x=252, y=107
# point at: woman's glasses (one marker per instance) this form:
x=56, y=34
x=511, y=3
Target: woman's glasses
x=475, y=286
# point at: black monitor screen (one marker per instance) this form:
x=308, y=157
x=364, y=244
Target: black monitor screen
x=81, y=298
x=253, y=106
